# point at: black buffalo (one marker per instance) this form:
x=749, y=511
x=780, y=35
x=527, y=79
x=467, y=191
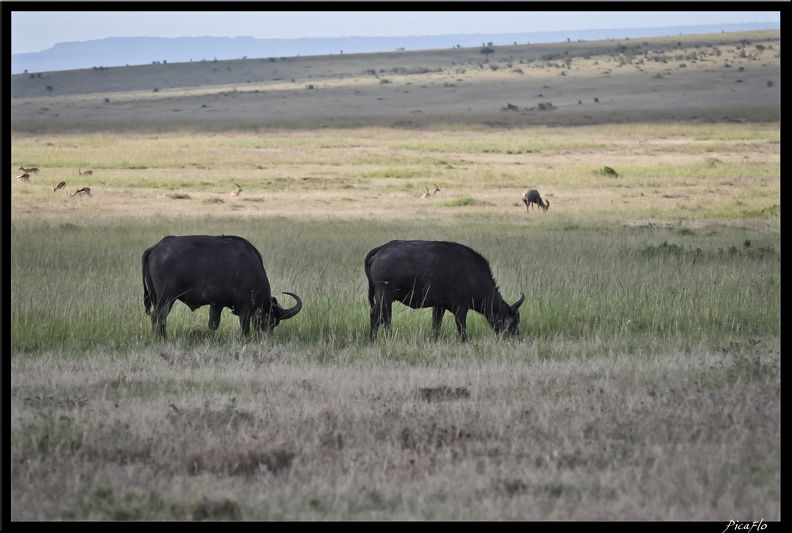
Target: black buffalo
x=219, y=272
x=445, y=276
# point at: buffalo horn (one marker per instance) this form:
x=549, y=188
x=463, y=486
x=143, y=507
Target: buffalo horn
x=284, y=314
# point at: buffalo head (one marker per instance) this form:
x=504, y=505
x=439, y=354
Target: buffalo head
x=508, y=319
x=266, y=322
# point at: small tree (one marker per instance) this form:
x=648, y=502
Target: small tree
x=50, y=88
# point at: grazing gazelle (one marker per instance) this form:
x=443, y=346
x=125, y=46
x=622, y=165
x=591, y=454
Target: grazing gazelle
x=429, y=193
x=531, y=196
x=24, y=177
x=82, y=191
x=28, y=170
x=61, y=185
x=237, y=191
x=84, y=173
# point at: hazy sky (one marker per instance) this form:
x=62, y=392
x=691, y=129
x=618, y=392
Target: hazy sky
x=60, y=27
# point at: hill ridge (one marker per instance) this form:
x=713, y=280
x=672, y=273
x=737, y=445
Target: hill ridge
x=131, y=51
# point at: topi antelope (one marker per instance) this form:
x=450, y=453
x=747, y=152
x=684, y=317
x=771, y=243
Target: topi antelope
x=28, y=170
x=531, y=196
x=24, y=177
x=84, y=173
x=61, y=185
x=429, y=193
x=237, y=191
x=82, y=191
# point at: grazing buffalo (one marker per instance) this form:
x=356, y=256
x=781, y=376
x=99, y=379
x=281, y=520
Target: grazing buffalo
x=445, y=276
x=219, y=272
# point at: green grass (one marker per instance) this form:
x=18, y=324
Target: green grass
x=645, y=383
x=689, y=287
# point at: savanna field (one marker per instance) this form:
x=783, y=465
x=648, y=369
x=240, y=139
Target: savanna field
x=644, y=384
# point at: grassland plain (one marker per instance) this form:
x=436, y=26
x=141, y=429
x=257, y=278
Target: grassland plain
x=711, y=77
x=645, y=384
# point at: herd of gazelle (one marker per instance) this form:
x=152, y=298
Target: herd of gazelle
x=530, y=197
x=82, y=191
x=61, y=185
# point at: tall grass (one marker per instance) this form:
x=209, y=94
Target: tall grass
x=78, y=286
x=645, y=383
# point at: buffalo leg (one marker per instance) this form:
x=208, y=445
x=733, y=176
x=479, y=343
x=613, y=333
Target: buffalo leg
x=460, y=317
x=380, y=314
x=244, y=322
x=375, y=322
x=159, y=315
x=158, y=324
x=214, y=316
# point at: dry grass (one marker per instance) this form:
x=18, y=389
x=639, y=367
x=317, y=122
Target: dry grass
x=323, y=151
x=186, y=435
x=304, y=426
x=664, y=172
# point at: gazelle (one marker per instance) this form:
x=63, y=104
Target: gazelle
x=28, y=170
x=60, y=185
x=237, y=191
x=24, y=177
x=429, y=193
x=531, y=196
x=82, y=191
x=86, y=173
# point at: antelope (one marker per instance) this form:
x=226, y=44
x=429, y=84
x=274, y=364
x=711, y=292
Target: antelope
x=82, y=191
x=237, y=191
x=86, y=173
x=24, y=177
x=28, y=170
x=531, y=196
x=60, y=185
x=429, y=193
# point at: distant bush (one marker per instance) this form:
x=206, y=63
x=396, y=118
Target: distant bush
x=606, y=171
x=414, y=70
